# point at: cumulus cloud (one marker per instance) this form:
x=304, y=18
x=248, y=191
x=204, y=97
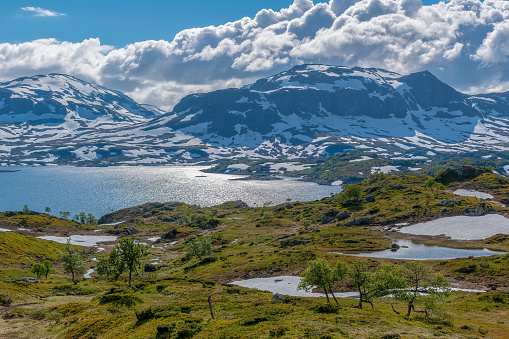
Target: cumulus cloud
x=464, y=42
x=38, y=11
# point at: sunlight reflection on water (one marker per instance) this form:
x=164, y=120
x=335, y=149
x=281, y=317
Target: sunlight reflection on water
x=99, y=190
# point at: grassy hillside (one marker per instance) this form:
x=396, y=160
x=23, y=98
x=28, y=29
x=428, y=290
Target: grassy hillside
x=172, y=296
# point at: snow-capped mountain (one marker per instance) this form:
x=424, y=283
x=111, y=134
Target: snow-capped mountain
x=310, y=101
x=55, y=98
x=308, y=111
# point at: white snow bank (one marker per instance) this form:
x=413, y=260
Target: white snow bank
x=81, y=240
x=462, y=227
x=471, y=193
x=286, y=285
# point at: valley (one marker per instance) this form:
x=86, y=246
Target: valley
x=261, y=242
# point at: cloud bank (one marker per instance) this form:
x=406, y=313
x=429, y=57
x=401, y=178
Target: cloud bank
x=463, y=42
x=38, y=11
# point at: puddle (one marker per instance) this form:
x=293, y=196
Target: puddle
x=411, y=251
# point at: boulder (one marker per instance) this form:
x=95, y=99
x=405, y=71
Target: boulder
x=343, y=215
x=131, y=230
x=29, y=280
x=278, y=297
x=479, y=210
x=370, y=198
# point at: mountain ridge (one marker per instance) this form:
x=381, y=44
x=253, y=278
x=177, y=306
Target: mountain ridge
x=310, y=110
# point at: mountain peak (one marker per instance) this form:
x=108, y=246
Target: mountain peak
x=42, y=99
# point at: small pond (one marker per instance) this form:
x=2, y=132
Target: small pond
x=411, y=251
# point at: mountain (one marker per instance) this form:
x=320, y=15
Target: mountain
x=311, y=101
x=56, y=98
x=307, y=111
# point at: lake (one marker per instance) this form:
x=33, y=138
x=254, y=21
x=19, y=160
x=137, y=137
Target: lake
x=100, y=190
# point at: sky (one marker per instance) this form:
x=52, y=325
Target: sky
x=158, y=51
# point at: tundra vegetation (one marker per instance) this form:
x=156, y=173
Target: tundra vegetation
x=202, y=249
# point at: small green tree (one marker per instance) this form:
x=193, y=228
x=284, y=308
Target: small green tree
x=26, y=210
x=127, y=255
x=64, y=215
x=317, y=274
x=83, y=218
x=198, y=246
x=91, y=220
x=38, y=270
x=418, y=277
x=47, y=210
x=72, y=261
x=48, y=268
x=351, y=192
x=361, y=278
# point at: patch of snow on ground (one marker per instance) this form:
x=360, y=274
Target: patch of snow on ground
x=286, y=285
x=414, y=168
x=384, y=169
x=89, y=272
x=237, y=167
x=470, y=193
x=5, y=230
x=337, y=183
x=363, y=158
x=81, y=240
x=462, y=227
x=289, y=166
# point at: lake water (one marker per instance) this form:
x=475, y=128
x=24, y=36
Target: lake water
x=411, y=251
x=100, y=190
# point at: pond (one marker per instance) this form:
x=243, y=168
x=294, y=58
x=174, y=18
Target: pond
x=411, y=251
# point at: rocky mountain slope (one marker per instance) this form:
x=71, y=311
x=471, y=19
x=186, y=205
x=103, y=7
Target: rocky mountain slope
x=308, y=111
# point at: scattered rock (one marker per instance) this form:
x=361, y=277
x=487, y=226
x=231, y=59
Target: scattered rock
x=172, y=234
x=131, y=230
x=479, y=210
x=29, y=280
x=325, y=219
x=370, y=198
x=451, y=202
x=359, y=221
x=343, y=215
x=149, y=268
x=278, y=297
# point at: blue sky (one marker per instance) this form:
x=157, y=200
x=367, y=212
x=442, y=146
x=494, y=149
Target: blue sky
x=158, y=51
x=118, y=22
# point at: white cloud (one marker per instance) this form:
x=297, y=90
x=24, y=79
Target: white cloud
x=464, y=42
x=38, y=11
